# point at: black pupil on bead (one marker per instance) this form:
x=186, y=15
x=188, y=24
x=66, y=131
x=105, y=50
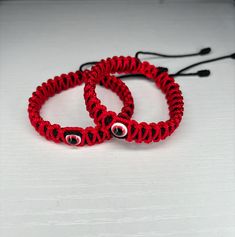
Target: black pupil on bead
x=118, y=131
x=73, y=140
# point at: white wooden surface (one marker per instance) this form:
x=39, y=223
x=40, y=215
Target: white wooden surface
x=182, y=187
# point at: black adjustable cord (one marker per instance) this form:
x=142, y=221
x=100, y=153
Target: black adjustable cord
x=203, y=51
x=200, y=73
x=203, y=62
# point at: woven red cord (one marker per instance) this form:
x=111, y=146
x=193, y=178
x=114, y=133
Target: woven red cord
x=89, y=135
x=138, y=132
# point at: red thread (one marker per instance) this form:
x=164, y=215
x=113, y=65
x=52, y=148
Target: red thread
x=138, y=132
x=89, y=135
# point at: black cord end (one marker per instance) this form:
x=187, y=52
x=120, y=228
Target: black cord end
x=233, y=56
x=203, y=73
x=205, y=51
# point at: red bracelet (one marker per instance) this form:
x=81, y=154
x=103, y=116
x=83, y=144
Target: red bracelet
x=124, y=127
x=76, y=136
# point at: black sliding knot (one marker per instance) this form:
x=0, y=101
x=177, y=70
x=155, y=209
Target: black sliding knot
x=163, y=69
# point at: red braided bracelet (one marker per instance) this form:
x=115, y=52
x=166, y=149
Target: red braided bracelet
x=76, y=136
x=123, y=127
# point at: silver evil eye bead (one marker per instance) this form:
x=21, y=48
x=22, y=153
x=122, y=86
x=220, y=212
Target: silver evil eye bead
x=119, y=130
x=72, y=139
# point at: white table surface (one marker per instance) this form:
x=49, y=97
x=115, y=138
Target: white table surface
x=184, y=186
